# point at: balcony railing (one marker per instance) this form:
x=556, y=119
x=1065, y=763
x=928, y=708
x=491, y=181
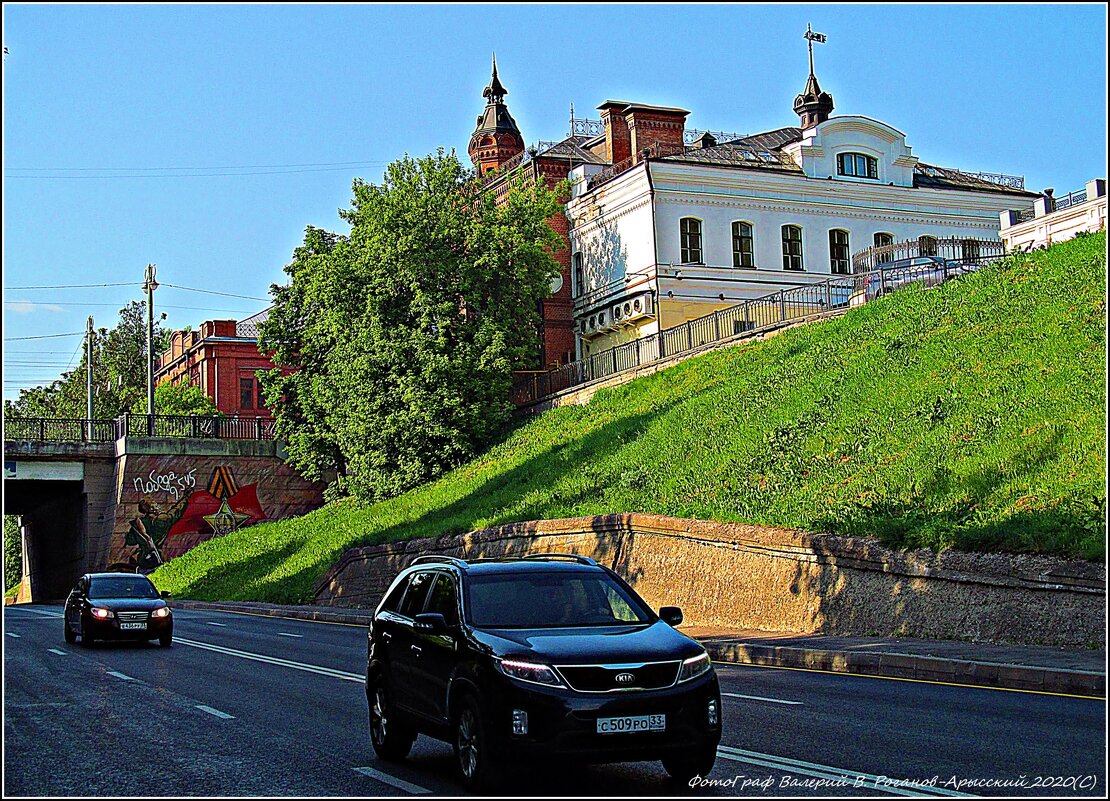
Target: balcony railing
x=949, y=250
x=60, y=429
x=761, y=314
x=1070, y=199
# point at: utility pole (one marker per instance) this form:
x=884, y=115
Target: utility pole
x=89, y=380
x=150, y=285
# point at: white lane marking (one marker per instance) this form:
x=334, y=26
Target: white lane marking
x=216, y=712
x=884, y=784
x=123, y=676
x=286, y=634
x=221, y=625
x=56, y=651
x=761, y=698
x=42, y=612
x=273, y=660
x=12, y=634
x=393, y=781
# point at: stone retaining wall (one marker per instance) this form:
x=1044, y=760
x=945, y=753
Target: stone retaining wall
x=728, y=574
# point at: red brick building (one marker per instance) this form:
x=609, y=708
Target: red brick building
x=497, y=150
x=221, y=358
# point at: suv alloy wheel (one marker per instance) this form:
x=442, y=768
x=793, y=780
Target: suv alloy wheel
x=391, y=740
x=472, y=752
x=683, y=768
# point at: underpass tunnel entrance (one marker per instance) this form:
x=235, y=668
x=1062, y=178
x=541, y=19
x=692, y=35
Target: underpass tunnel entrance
x=52, y=528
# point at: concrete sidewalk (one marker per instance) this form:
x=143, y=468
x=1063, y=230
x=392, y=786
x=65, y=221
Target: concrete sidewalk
x=1013, y=667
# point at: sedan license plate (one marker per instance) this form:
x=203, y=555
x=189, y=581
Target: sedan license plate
x=132, y=626
x=633, y=723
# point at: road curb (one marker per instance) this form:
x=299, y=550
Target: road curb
x=914, y=666
x=886, y=664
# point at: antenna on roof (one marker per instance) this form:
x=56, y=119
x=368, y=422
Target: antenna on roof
x=571, y=133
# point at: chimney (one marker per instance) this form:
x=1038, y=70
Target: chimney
x=651, y=125
x=617, y=143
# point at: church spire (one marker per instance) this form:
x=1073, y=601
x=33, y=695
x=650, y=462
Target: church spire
x=813, y=105
x=496, y=138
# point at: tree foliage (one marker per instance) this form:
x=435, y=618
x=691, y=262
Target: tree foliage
x=405, y=333
x=179, y=399
x=13, y=552
x=119, y=373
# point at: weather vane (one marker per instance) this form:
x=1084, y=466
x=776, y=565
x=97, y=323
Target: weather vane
x=812, y=37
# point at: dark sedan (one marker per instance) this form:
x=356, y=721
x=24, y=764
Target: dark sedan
x=117, y=606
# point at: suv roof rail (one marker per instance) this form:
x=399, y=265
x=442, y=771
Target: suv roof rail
x=454, y=560
x=582, y=560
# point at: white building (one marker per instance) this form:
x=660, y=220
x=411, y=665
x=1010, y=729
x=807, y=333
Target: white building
x=1053, y=219
x=666, y=232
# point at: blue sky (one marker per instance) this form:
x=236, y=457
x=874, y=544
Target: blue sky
x=205, y=138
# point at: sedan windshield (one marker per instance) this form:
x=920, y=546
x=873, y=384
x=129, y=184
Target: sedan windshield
x=551, y=600
x=122, y=587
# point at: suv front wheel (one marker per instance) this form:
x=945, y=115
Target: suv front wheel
x=472, y=750
x=684, y=767
x=390, y=738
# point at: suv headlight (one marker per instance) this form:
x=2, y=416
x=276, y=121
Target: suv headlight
x=101, y=613
x=694, y=667
x=529, y=671
x=163, y=612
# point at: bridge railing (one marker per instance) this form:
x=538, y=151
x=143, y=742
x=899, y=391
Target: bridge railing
x=61, y=429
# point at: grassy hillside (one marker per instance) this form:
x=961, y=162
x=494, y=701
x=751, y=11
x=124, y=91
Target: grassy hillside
x=968, y=416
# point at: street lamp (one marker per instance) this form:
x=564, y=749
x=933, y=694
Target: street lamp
x=150, y=284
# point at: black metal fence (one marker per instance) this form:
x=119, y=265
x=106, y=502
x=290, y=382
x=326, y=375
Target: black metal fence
x=770, y=311
x=57, y=429
x=965, y=250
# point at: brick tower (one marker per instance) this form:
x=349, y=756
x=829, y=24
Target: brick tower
x=496, y=139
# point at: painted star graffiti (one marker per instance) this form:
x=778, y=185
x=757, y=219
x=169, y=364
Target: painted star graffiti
x=226, y=520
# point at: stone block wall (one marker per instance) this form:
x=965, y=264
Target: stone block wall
x=727, y=574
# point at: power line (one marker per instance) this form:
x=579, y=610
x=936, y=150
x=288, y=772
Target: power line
x=45, y=336
x=73, y=286
x=82, y=303
x=218, y=167
x=213, y=292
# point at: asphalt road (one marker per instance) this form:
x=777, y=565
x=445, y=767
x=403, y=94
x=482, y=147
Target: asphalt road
x=250, y=705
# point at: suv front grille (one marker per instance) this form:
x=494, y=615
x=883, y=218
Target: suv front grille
x=132, y=617
x=603, y=678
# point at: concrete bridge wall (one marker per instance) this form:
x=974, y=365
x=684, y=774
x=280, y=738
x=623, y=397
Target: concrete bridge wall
x=131, y=504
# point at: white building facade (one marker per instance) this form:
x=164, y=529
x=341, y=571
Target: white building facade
x=672, y=233
x=1053, y=219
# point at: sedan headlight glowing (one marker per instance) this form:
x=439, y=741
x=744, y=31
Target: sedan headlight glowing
x=163, y=612
x=528, y=671
x=103, y=614
x=694, y=667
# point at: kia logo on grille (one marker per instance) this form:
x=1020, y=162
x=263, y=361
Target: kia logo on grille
x=624, y=678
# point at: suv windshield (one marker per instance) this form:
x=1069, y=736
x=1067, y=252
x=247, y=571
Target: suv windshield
x=551, y=600
x=122, y=587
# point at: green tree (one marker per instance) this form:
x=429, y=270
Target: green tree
x=119, y=373
x=13, y=552
x=405, y=333
x=179, y=399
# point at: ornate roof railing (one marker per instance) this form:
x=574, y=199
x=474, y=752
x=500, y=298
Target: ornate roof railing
x=691, y=135
x=1008, y=181
x=1070, y=199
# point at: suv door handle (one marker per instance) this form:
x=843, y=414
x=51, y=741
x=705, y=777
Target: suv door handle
x=386, y=636
x=416, y=649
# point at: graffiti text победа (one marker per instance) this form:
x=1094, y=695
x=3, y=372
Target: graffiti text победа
x=169, y=482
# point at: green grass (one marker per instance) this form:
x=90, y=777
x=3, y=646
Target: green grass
x=968, y=416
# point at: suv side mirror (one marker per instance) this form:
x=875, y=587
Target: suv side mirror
x=430, y=622
x=671, y=615
x=164, y=594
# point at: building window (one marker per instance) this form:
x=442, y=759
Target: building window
x=246, y=393
x=743, y=251
x=883, y=240
x=690, y=229
x=792, y=247
x=838, y=251
x=857, y=165
x=926, y=246
x=579, y=275
x=261, y=404
x=969, y=250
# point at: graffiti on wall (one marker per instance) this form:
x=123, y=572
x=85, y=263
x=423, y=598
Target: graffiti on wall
x=171, y=520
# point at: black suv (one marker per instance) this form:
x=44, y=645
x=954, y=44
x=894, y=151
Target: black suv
x=550, y=656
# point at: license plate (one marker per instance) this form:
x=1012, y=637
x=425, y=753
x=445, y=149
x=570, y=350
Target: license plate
x=132, y=626
x=630, y=724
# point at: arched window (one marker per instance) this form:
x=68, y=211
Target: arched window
x=926, y=246
x=857, y=165
x=743, y=245
x=792, y=247
x=690, y=231
x=884, y=240
x=579, y=276
x=838, y=252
